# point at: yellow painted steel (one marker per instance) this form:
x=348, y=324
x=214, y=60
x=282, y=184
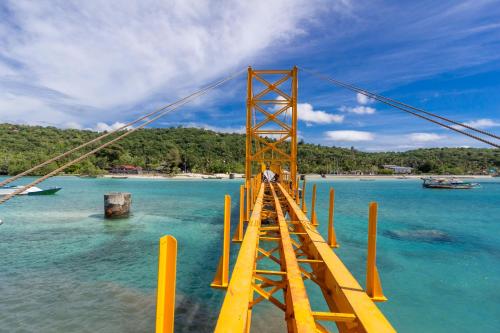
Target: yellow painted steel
x=248, y=199
x=373, y=285
x=278, y=119
x=238, y=236
x=221, y=279
x=333, y=316
x=165, y=292
x=293, y=143
x=332, y=238
x=298, y=310
x=252, y=193
x=235, y=315
x=303, y=205
x=248, y=149
x=314, y=220
x=296, y=189
x=341, y=290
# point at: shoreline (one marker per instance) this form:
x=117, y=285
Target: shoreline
x=399, y=177
x=196, y=176
x=239, y=176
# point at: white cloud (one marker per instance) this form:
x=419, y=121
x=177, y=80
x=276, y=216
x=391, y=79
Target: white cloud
x=112, y=55
x=482, y=123
x=306, y=112
x=30, y=110
x=218, y=129
x=103, y=127
x=360, y=109
x=401, y=142
x=425, y=137
x=221, y=129
x=5, y=70
x=350, y=136
x=72, y=125
x=363, y=99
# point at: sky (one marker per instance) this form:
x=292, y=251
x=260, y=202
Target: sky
x=99, y=64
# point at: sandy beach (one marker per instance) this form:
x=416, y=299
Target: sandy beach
x=308, y=176
x=188, y=175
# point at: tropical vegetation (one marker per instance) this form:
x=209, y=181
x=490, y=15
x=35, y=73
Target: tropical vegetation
x=174, y=150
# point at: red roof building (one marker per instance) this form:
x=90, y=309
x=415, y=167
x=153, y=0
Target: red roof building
x=127, y=169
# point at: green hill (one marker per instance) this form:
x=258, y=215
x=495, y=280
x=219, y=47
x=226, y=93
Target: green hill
x=171, y=150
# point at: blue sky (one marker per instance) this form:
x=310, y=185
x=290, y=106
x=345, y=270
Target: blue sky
x=96, y=64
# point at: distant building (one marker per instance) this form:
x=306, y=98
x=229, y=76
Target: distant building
x=397, y=168
x=128, y=169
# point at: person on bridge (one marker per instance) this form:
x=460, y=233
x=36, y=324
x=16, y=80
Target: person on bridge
x=268, y=175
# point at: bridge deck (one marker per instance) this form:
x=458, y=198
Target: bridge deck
x=296, y=245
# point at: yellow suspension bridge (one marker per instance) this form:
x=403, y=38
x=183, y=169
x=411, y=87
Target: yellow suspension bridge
x=280, y=246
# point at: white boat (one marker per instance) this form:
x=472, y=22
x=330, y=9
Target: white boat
x=448, y=183
x=6, y=190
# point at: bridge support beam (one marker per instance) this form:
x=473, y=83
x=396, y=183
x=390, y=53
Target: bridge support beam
x=222, y=275
x=373, y=285
x=165, y=292
x=238, y=235
x=314, y=218
x=332, y=238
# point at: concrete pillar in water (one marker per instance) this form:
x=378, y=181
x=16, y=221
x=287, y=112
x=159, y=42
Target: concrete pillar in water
x=117, y=204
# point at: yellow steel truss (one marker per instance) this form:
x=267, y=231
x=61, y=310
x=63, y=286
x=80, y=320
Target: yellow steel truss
x=272, y=123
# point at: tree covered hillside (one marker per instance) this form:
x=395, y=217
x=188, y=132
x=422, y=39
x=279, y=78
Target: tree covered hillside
x=172, y=150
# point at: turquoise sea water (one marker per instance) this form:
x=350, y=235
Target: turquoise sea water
x=63, y=268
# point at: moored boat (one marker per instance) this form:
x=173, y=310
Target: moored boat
x=6, y=190
x=48, y=191
x=447, y=183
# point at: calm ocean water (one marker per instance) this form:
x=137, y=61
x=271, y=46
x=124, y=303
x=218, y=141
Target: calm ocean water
x=63, y=268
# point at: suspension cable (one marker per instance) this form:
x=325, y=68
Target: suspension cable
x=99, y=138
x=177, y=104
x=404, y=107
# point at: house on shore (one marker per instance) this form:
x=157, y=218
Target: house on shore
x=398, y=169
x=126, y=169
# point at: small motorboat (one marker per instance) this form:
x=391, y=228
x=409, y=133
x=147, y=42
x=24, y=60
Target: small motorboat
x=119, y=177
x=448, y=183
x=6, y=190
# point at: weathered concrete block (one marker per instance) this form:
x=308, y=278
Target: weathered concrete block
x=117, y=204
